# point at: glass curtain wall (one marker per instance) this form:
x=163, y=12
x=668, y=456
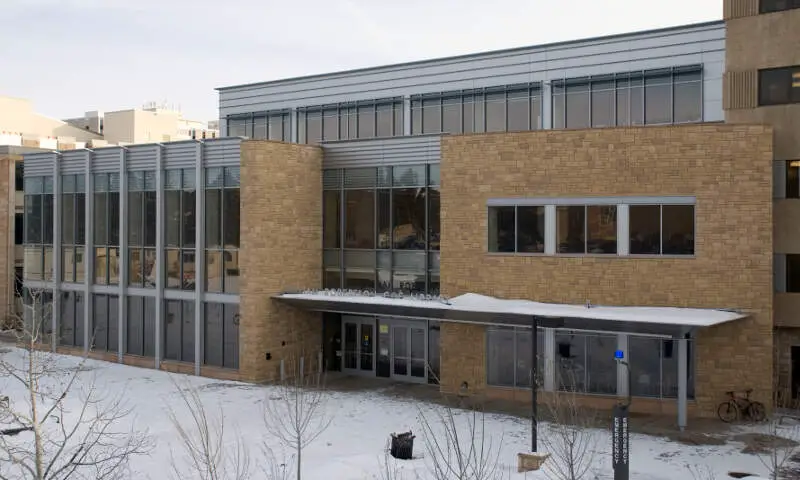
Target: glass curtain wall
x=104, y=333
x=382, y=228
x=141, y=327
x=275, y=125
x=509, y=352
x=222, y=229
x=71, y=322
x=73, y=228
x=39, y=212
x=178, y=330
x=180, y=217
x=637, y=98
x=142, y=229
x=106, y=228
x=365, y=119
x=496, y=109
x=221, y=337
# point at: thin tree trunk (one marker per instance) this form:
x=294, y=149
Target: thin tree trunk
x=37, y=429
x=299, y=451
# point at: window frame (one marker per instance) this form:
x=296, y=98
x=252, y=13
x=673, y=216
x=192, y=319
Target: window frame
x=792, y=87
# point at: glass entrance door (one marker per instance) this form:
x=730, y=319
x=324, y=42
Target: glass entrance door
x=408, y=341
x=359, y=344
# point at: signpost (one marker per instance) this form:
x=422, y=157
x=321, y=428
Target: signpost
x=620, y=434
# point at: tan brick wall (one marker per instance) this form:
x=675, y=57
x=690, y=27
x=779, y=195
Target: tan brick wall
x=7, y=248
x=729, y=170
x=281, y=249
x=764, y=41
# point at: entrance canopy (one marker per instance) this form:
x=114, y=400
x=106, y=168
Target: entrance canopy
x=671, y=322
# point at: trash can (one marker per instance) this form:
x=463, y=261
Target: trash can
x=402, y=446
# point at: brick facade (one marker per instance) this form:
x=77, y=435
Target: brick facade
x=7, y=224
x=727, y=168
x=281, y=250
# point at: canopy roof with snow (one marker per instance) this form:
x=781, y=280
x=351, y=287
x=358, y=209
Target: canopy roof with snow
x=475, y=308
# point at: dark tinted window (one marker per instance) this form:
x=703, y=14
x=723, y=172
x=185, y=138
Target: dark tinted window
x=769, y=6
x=778, y=86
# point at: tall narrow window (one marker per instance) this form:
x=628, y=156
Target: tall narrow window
x=73, y=221
x=222, y=230
x=106, y=228
x=180, y=220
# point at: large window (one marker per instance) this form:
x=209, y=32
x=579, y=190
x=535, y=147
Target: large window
x=651, y=97
x=180, y=220
x=71, y=321
x=793, y=273
x=141, y=326
x=39, y=212
x=769, y=6
x=518, y=229
x=585, y=363
x=106, y=228
x=779, y=86
x=178, y=333
x=222, y=229
x=263, y=126
x=661, y=229
x=73, y=228
x=496, y=109
x=654, y=367
x=104, y=327
x=586, y=229
x=364, y=119
x=387, y=219
x=141, y=229
x=508, y=357
x=221, y=327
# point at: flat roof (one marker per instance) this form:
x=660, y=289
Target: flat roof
x=474, y=308
x=565, y=43
x=17, y=150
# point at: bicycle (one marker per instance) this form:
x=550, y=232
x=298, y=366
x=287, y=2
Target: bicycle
x=737, y=407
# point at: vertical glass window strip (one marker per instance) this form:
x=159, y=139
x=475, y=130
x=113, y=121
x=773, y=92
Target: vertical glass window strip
x=38, y=211
x=180, y=220
x=222, y=230
x=141, y=229
x=106, y=228
x=73, y=229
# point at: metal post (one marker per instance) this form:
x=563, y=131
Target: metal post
x=683, y=380
x=534, y=386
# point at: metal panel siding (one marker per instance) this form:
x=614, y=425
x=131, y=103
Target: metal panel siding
x=222, y=152
x=693, y=44
x=106, y=160
x=142, y=157
x=39, y=164
x=180, y=154
x=383, y=152
x=73, y=161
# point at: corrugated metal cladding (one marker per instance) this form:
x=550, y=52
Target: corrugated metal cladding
x=39, y=164
x=106, y=160
x=691, y=44
x=142, y=157
x=382, y=152
x=72, y=162
x=222, y=152
x=180, y=154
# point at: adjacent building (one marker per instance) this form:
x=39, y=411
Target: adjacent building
x=629, y=196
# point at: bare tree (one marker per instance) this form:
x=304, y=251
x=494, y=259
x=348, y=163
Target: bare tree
x=44, y=437
x=389, y=470
x=458, y=446
x=571, y=437
x=776, y=446
x=209, y=453
x=701, y=472
x=295, y=413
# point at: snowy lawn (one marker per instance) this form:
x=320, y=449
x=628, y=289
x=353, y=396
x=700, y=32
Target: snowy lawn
x=353, y=445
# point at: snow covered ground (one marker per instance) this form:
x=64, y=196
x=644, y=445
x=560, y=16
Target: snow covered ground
x=353, y=446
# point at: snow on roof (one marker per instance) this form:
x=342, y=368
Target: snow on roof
x=476, y=303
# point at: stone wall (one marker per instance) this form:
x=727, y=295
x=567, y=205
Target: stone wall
x=281, y=250
x=729, y=170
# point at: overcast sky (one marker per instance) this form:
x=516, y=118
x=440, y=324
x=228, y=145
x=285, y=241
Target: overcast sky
x=71, y=56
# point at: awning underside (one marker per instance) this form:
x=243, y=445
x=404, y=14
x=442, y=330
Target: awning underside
x=473, y=308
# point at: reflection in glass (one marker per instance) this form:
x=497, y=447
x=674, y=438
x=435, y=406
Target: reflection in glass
x=366, y=121
x=409, y=218
x=80, y=264
x=359, y=219
x=384, y=212
x=451, y=115
x=645, y=229
x=601, y=229
x=213, y=271
x=172, y=218
x=518, y=114
x=67, y=264
x=658, y=97
x=677, y=224
x=213, y=221
x=687, y=97
x=603, y=104
x=571, y=229
x=100, y=266
x=495, y=112
x=434, y=218
x=113, y=266
x=188, y=269
x=231, y=216
x=500, y=361
x=431, y=116
x=530, y=229
x=172, y=274
x=231, y=271
x=501, y=229
x=578, y=105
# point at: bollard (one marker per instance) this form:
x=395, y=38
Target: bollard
x=283, y=371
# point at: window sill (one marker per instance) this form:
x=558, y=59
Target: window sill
x=591, y=255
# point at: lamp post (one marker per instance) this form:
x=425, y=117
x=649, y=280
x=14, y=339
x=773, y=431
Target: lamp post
x=534, y=386
x=620, y=435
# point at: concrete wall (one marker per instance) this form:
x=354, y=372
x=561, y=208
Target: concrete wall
x=727, y=168
x=281, y=249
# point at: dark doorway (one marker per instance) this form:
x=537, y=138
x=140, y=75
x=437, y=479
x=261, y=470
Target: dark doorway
x=332, y=343
x=795, y=372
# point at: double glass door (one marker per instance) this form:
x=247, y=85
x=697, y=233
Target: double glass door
x=400, y=351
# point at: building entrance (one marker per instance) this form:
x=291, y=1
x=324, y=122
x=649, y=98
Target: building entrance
x=398, y=350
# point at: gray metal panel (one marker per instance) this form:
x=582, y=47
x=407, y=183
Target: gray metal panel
x=779, y=272
x=106, y=160
x=38, y=164
x=222, y=152
x=73, y=161
x=180, y=154
x=694, y=44
x=142, y=157
x=382, y=152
